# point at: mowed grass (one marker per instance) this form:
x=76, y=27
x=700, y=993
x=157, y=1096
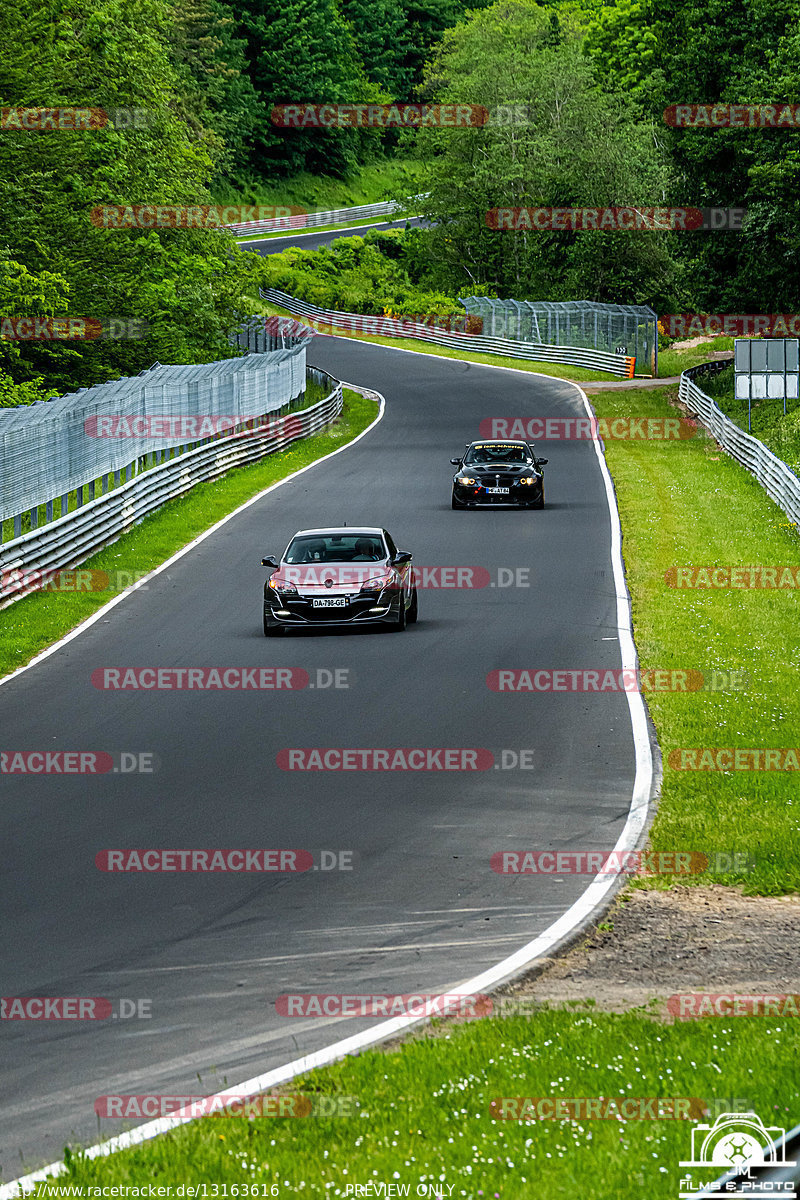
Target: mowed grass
x=672, y=361
x=38, y=620
x=367, y=185
x=686, y=503
x=422, y=1116
x=558, y=370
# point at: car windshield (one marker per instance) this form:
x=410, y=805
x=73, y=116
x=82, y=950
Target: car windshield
x=335, y=548
x=497, y=453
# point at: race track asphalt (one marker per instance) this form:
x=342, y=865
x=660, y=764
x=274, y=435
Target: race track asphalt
x=306, y=240
x=421, y=908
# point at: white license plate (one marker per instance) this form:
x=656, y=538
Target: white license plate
x=329, y=602
x=498, y=491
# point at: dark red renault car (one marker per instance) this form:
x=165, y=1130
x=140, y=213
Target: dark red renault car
x=339, y=577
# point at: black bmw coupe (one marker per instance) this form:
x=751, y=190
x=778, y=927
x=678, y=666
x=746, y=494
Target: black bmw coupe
x=492, y=473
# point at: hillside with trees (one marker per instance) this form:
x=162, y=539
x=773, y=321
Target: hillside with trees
x=595, y=81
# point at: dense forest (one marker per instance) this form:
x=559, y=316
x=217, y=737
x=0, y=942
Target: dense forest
x=189, y=87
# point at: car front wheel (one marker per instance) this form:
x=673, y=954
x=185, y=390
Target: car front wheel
x=270, y=630
x=413, y=608
x=400, y=624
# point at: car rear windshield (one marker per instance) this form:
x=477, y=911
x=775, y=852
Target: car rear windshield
x=497, y=453
x=337, y=547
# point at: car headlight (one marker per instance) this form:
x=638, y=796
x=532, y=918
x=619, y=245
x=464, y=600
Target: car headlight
x=465, y=479
x=529, y=480
x=377, y=583
x=278, y=586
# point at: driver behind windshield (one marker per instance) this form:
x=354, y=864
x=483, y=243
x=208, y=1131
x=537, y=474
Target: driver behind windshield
x=493, y=454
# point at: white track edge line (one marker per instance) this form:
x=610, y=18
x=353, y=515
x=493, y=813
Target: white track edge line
x=514, y=964
x=79, y=629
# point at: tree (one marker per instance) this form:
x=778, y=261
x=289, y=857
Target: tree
x=580, y=147
x=188, y=285
x=426, y=21
x=382, y=41
x=746, y=54
x=216, y=91
x=303, y=52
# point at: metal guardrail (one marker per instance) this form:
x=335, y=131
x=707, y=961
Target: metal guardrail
x=597, y=360
x=332, y=216
x=68, y=541
x=776, y=477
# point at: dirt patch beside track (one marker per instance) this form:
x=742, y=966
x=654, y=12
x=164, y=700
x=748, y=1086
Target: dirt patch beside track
x=687, y=939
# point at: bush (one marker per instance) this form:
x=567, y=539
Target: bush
x=362, y=275
x=14, y=394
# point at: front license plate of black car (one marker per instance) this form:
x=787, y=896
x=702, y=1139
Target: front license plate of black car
x=329, y=602
x=498, y=491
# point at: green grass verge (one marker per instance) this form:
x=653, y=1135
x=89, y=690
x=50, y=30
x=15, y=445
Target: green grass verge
x=686, y=503
x=38, y=620
x=672, y=362
x=494, y=360
x=422, y=1114
x=367, y=185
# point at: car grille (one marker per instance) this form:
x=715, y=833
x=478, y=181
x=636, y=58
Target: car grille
x=499, y=480
x=356, y=606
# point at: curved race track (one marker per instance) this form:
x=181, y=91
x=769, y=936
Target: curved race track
x=421, y=909
x=310, y=240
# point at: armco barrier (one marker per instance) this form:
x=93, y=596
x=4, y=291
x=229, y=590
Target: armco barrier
x=596, y=360
x=776, y=478
x=332, y=216
x=69, y=540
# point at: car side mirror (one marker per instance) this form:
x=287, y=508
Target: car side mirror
x=456, y=462
x=542, y=462
x=270, y=561
x=402, y=556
